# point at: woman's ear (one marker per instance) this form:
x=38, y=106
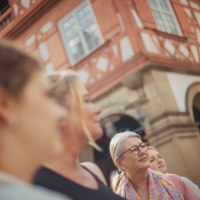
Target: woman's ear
x=65, y=126
x=119, y=164
x=6, y=108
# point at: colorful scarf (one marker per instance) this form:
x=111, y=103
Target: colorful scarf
x=159, y=188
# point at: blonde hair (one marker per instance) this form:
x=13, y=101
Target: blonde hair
x=116, y=149
x=115, y=178
x=67, y=89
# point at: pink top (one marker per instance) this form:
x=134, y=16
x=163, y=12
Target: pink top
x=185, y=190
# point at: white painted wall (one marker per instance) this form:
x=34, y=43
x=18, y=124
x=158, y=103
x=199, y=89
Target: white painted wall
x=179, y=84
x=127, y=51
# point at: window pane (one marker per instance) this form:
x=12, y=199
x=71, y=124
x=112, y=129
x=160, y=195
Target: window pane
x=74, y=41
x=159, y=20
x=91, y=36
x=71, y=32
x=170, y=24
x=86, y=20
x=83, y=11
x=80, y=32
x=77, y=51
x=153, y=3
x=164, y=5
x=91, y=28
x=163, y=16
x=69, y=23
x=92, y=39
x=168, y=19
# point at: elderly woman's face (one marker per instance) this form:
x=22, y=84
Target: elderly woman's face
x=136, y=156
x=157, y=163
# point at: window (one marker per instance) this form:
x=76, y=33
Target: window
x=164, y=16
x=80, y=32
x=4, y=5
x=6, y=14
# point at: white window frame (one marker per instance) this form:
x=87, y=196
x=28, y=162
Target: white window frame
x=83, y=41
x=170, y=12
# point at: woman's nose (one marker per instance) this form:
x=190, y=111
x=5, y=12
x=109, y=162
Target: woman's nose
x=97, y=110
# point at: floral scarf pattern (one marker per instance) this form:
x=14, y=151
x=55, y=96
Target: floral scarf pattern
x=159, y=188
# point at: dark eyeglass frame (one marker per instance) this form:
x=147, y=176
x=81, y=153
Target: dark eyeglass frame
x=138, y=148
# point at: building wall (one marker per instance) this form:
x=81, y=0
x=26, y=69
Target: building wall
x=131, y=38
x=179, y=84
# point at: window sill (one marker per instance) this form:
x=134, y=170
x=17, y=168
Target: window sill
x=171, y=36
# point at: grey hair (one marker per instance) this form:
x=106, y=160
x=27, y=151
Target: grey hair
x=152, y=148
x=116, y=143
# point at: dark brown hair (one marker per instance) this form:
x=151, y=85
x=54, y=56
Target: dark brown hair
x=16, y=68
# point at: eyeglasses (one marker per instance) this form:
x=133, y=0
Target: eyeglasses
x=135, y=149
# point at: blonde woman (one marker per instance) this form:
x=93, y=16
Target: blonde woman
x=25, y=141
x=158, y=163
x=65, y=174
x=136, y=181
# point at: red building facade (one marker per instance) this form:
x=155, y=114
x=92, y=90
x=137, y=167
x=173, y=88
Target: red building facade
x=139, y=58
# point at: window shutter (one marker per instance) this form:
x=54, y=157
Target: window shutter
x=106, y=17
x=183, y=20
x=145, y=13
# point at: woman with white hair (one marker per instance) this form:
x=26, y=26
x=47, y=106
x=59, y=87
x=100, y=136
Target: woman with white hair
x=136, y=181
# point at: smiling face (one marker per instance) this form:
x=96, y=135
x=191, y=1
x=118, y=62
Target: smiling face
x=133, y=163
x=157, y=163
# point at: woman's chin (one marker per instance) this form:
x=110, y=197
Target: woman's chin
x=98, y=135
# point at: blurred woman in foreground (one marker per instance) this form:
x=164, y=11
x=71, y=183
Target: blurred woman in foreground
x=158, y=163
x=137, y=181
x=65, y=174
x=25, y=141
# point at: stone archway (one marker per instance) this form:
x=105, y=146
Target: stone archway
x=193, y=103
x=196, y=109
x=111, y=125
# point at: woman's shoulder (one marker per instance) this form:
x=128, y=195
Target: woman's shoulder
x=49, y=178
x=92, y=167
x=184, y=187
x=23, y=192
x=189, y=182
